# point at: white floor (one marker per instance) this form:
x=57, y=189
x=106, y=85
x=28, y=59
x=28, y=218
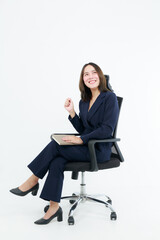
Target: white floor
x=137, y=209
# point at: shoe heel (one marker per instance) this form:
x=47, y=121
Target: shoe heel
x=34, y=192
x=60, y=217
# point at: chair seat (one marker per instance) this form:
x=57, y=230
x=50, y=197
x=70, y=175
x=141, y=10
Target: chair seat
x=85, y=166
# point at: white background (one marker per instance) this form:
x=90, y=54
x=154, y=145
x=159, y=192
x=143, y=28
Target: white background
x=43, y=46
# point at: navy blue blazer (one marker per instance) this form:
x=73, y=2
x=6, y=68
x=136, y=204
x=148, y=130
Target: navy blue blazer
x=98, y=122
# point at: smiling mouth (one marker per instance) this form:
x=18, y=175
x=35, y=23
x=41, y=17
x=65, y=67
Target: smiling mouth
x=92, y=81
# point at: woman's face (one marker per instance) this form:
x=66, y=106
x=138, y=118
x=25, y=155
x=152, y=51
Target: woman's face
x=90, y=77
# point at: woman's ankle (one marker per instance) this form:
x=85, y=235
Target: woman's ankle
x=34, y=179
x=53, y=207
x=29, y=183
x=54, y=204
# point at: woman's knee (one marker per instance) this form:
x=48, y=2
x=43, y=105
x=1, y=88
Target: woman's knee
x=57, y=164
x=53, y=144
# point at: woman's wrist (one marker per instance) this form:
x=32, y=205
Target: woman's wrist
x=72, y=114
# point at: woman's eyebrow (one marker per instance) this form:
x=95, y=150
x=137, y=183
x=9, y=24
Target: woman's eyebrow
x=90, y=71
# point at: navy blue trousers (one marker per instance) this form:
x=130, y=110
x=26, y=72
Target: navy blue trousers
x=52, y=159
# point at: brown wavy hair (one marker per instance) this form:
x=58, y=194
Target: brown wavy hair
x=86, y=94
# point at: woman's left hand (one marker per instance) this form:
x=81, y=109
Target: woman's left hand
x=72, y=139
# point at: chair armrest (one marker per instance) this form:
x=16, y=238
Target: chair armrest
x=92, y=152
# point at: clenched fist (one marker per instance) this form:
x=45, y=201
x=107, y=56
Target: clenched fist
x=69, y=107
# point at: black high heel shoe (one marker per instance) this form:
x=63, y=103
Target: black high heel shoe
x=18, y=192
x=58, y=214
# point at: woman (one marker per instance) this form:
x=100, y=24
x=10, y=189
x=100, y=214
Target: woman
x=97, y=119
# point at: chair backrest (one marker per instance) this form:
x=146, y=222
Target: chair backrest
x=115, y=149
x=119, y=99
x=108, y=83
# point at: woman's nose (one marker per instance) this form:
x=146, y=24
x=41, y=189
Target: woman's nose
x=91, y=76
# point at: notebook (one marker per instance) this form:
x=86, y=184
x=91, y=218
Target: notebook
x=58, y=139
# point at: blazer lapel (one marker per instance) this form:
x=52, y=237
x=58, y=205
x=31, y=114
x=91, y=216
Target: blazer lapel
x=84, y=112
x=95, y=105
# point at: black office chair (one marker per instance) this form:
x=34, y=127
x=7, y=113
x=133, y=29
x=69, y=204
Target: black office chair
x=92, y=166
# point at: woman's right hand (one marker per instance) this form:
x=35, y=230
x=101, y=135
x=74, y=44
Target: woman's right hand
x=69, y=107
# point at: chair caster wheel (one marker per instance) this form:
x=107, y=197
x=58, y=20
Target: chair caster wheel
x=72, y=201
x=109, y=201
x=71, y=220
x=113, y=216
x=46, y=208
